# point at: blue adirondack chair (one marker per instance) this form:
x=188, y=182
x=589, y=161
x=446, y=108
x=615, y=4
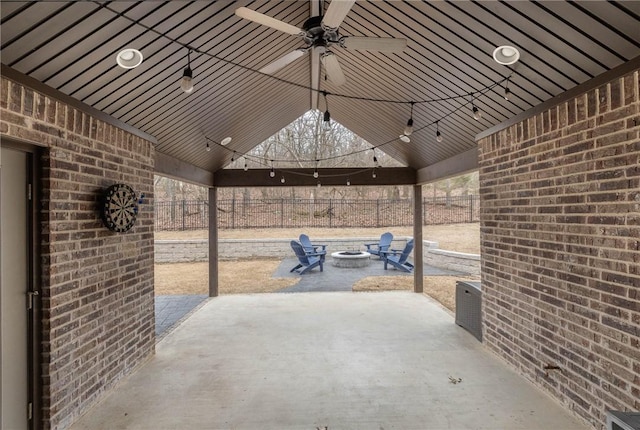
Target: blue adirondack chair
x=383, y=245
x=312, y=248
x=398, y=258
x=307, y=261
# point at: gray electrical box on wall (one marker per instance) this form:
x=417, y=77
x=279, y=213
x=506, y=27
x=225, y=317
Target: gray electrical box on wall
x=469, y=307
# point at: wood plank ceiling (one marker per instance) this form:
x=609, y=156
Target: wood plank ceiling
x=71, y=46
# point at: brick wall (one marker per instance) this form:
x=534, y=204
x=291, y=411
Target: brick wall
x=97, y=286
x=560, y=231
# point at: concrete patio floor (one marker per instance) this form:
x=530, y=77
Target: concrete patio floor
x=339, y=359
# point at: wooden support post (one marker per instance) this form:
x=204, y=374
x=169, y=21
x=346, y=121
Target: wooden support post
x=213, y=242
x=418, y=271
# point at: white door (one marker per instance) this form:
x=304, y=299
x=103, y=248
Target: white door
x=14, y=258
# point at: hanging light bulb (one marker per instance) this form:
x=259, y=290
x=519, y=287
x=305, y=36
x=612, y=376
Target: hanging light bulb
x=373, y=174
x=507, y=91
x=375, y=160
x=186, y=83
x=318, y=184
x=208, y=148
x=233, y=157
x=327, y=115
x=315, y=172
x=409, y=128
x=348, y=182
x=272, y=173
x=246, y=166
x=476, y=112
x=282, y=180
x=438, y=134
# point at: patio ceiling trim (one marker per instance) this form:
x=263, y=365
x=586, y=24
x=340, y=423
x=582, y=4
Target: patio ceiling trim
x=304, y=177
x=28, y=81
x=608, y=76
x=171, y=167
x=457, y=165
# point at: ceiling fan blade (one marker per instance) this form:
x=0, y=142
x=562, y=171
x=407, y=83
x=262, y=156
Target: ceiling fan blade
x=283, y=61
x=337, y=11
x=384, y=44
x=263, y=19
x=333, y=69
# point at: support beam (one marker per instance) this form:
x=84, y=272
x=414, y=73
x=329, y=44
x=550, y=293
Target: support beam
x=213, y=242
x=304, y=177
x=418, y=271
x=460, y=164
x=165, y=165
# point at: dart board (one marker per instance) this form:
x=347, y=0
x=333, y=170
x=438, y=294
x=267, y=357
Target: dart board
x=119, y=208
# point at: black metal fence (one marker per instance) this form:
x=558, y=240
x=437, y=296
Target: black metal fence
x=294, y=213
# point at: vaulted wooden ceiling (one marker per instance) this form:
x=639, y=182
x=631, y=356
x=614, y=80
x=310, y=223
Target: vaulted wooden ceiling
x=71, y=46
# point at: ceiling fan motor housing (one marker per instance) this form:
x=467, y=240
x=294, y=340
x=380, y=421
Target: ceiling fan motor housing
x=316, y=35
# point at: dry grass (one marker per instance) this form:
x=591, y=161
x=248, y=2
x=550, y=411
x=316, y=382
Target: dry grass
x=441, y=288
x=452, y=237
x=234, y=277
x=254, y=276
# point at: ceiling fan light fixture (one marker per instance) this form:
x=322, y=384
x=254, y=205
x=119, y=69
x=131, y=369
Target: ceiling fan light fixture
x=506, y=55
x=129, y=58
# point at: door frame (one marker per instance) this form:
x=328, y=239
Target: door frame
x=34, y=315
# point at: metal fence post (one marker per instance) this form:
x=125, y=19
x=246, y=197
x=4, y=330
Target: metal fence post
x=330, y=213
x=184, y=210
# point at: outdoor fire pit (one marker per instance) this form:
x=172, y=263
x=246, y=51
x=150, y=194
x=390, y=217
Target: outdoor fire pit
x=350, y=259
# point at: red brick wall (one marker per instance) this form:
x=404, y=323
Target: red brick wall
x=97, y=286
x=560, y=223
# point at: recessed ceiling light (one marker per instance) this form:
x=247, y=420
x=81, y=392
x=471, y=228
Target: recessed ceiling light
x=129, y=58
x=405, y=138
x=226, y=141
x=506, y=55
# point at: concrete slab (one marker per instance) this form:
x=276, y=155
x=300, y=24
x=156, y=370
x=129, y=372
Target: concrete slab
x=341, y=360
x=170, y=310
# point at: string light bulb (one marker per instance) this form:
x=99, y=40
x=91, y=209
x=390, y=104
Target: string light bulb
x=348, y=182
x=327, y=115
x=373, y=174
x=186, y=83
x=282, y=180
x=318, y=184
x=272, y=173
x=208, y=148
x=233, y=157
x=409, y=128
x=375, y=159
x=438, y=134
x=476, y=112
x=246, y=166
x=507, y=91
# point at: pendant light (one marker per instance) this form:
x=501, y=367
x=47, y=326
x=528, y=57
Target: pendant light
x=186, y=83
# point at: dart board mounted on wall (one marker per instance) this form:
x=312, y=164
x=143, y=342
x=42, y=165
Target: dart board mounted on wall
x=119, y=208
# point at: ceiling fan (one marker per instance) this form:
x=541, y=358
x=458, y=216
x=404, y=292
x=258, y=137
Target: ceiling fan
x=321, y=32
